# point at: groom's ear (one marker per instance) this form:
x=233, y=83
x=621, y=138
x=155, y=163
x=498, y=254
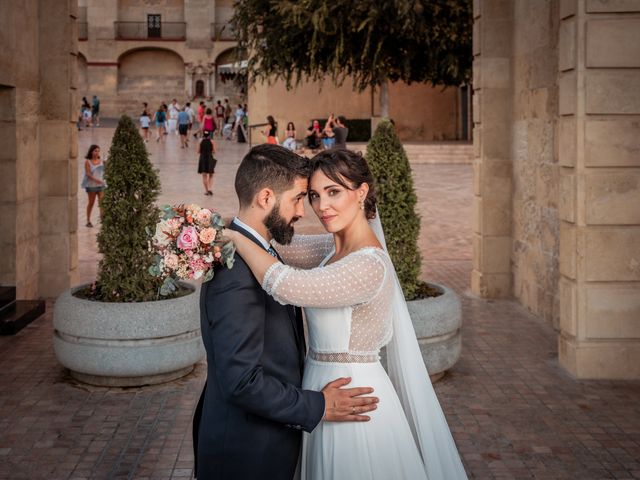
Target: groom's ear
x=265, y=199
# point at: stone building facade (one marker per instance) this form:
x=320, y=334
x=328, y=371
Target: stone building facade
x=38, y=147
x=132, y=51
x=557, y=177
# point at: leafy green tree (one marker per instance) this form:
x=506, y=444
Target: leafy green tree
x=371, y=41
x=396, y=205
x=128, y=207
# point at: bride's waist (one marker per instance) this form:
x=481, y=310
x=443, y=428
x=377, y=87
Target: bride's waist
x=343, y=357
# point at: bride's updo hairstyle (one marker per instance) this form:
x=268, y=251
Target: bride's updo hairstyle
x=350, y=170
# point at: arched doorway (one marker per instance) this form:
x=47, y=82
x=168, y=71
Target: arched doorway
x=82, y=84
x=230, y=77
x=199, y=88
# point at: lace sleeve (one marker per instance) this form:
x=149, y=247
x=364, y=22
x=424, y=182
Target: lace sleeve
x=353, y=280
x=306, y=251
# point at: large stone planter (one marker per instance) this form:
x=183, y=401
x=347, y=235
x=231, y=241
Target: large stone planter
x=437, y=323
x=127, y=344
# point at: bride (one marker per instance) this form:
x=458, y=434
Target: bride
x=354, y=305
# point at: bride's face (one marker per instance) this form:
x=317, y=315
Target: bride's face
x=336, y=206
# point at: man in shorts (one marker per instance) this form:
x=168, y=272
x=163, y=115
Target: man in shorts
x=183, y=127
x=219, y=116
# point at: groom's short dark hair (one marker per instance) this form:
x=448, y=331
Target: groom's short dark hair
x=268, y=166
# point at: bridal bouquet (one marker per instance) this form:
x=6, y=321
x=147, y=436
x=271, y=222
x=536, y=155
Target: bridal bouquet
x=187, y=242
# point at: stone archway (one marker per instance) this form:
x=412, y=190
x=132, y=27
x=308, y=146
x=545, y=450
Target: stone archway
x=82, y=82
x=151, y=75
x=225, y=78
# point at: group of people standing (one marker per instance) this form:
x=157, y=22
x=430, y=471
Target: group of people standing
x=333, y=134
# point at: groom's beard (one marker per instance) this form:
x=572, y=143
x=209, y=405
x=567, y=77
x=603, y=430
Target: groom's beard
x=281, y=230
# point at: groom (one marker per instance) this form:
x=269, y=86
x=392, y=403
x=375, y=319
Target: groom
x=249, y=421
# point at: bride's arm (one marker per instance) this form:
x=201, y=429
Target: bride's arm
x=355, y=279
x=306, y=251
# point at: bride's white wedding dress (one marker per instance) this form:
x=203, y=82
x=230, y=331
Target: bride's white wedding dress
x=351, y=309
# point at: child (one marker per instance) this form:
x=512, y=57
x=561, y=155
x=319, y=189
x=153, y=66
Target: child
x=207, y=163
x=86, y=115
x=144, y=125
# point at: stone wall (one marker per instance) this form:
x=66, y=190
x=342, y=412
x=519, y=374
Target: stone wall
x=535, y=227
x=38, y=147
x=421, y=112
x=557, y=172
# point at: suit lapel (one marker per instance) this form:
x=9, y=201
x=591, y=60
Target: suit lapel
x=294, y=316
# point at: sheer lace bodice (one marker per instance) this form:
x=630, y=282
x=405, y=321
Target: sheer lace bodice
x=306, y=251
x=347, y=303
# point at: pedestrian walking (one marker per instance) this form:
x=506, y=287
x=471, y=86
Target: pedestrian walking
x=227, y=110
x=161, y=120
x=144, y=125
x=207, y=162
x=95, y=111
x=183, y=127
x=219, y=111
x=208, y=123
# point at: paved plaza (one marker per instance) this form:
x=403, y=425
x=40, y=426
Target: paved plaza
x=513, y=412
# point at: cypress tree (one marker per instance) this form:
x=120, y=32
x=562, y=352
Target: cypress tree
x=396, y=205
x=128, y=208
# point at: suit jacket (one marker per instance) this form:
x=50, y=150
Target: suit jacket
x=249, y=420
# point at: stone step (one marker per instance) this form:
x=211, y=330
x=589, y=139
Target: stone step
x=19, y=314
x=431, y=153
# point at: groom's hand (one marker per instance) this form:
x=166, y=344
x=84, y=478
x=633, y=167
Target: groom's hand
x=347, y=404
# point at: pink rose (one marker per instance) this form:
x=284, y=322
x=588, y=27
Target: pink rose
x=188, y=238
x=203, y=217
x=171, y=261
x=207, y=235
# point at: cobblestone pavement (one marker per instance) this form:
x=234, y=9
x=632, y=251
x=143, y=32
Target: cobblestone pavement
x=513, y=412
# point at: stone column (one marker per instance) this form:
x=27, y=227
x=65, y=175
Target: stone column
x=492, y=93
x=599, y=141
x=58, y=182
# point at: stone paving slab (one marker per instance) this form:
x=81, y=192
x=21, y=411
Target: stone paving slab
x=513, y=412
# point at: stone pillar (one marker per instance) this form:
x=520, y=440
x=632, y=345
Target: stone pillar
x=102, y=58
x=599, y=141
x=19, y=148
x=492, y=94
x=57, y=176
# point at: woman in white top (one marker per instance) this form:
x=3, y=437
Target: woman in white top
x=354, y=306
x=93, y=180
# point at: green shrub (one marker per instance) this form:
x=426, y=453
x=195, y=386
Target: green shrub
x=396, y=205
x=128, y=207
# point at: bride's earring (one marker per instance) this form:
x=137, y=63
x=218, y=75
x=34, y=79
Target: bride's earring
x=361, y=204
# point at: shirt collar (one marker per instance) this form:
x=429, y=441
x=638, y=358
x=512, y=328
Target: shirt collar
x=260, y=238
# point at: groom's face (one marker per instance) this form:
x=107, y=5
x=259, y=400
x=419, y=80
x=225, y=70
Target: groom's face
x=288, y=209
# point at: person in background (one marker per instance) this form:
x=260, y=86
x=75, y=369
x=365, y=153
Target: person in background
x=93, y=181
x=271, y=131
x=290, y=137
x=313, y=135
x=208, y=122
x=207, y=162
x=161, y=121
x=227, y=110
x=192, y=116
x=144, y=125
x=183, y=127
x=327, y=133
x=95, y=111
x=219, y=118
x=201, y=109
x=239, y=120
x=340, y=132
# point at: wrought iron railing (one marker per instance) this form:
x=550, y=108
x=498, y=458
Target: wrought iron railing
x=222, y=31
x=142, y=31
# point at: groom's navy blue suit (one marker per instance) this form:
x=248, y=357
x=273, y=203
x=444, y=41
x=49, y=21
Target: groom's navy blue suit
x=249, y=420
